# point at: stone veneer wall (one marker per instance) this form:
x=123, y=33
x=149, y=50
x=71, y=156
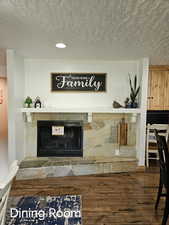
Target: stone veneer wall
x=100, y=136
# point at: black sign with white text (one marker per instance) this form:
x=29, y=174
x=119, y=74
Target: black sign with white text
x=78, y=82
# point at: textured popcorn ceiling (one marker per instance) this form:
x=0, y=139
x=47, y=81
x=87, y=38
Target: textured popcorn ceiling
x=93, y=29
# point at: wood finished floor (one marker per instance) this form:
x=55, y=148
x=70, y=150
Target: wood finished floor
x=123, y=199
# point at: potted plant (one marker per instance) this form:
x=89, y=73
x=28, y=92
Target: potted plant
x=134, y=90
x=28, y=102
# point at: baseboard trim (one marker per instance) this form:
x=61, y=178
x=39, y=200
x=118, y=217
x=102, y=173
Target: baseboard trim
x=140, y=169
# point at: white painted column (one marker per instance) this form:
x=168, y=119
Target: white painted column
x=141, y=120
x=4, y=166
x=16, y=88
x=11, y=105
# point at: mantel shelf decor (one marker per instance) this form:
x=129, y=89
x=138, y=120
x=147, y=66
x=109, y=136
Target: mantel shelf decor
x=28, y=111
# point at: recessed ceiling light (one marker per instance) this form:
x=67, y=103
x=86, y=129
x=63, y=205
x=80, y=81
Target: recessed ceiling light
x=60, y=45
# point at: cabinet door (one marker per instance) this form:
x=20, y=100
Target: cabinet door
x=166, y=91
x=156, y=90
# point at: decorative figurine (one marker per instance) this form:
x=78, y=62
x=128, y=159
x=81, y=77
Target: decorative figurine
x=37, y=103
x=117, y=105
x=28, y=102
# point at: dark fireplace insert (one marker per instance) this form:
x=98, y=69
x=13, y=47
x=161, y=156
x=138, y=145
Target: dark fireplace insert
x=59, y=138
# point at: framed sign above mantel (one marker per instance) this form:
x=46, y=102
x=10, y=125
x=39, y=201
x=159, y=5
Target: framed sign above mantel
x=95, y=82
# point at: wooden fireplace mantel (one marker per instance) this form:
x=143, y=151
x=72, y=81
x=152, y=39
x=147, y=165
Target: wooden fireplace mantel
x=29, y=111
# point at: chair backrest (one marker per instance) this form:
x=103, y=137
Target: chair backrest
x=163, y=130
x=163, y=158
x=4, y=191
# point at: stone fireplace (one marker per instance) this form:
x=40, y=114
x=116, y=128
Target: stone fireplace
x=99, y=136
x=96, y=143
x=59, y=138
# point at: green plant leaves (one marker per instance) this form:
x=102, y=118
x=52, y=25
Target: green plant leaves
x=133, y=88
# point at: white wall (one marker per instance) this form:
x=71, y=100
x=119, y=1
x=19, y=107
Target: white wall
x=16, y=87
x=36, y=82
x=37, y=74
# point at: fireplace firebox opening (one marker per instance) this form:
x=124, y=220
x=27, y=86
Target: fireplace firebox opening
x=59, y=138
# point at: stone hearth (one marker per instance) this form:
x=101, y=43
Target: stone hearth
x=59, y=167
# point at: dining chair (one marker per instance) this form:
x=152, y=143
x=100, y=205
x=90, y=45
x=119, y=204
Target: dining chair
x=164, y=175
x=5, y=187
x=151, y=142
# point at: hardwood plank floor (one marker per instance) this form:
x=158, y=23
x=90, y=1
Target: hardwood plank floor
x=111, y=199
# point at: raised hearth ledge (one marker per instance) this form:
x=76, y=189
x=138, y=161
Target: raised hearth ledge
x=89, y=111
x=60, y=167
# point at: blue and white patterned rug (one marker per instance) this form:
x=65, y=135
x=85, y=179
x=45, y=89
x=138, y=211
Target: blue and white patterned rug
x=48, y=210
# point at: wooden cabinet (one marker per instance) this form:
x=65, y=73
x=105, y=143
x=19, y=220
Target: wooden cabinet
x=158, y=91
x=166, y=91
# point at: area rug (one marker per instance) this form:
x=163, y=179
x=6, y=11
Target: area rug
x=44, y=210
